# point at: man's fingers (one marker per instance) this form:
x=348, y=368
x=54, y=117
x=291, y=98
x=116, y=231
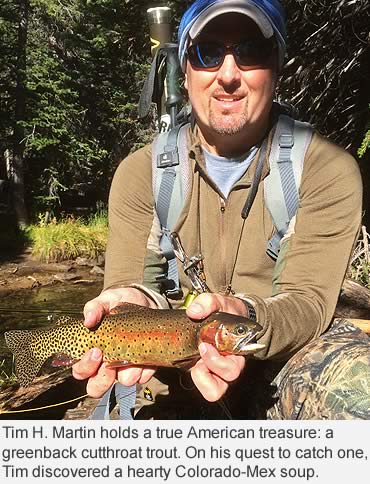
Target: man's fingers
x=97, y=308
x=101, y=376
x=93, y=317
x=203, y=306
x=210, y=386
x=146, y=375
x=101, y=382
x=213, y=372
x=132, y=375
x=88, y=365
x=208, y=303
x=226, y=367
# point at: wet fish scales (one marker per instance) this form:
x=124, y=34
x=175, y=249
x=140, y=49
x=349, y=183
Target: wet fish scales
x=135, y=335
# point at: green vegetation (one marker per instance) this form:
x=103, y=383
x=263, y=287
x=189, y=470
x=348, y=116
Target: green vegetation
x=365, y=145
x=359, y=270
x=69, y=238
x=6, y=377
x=74, y=237
x=72, y=72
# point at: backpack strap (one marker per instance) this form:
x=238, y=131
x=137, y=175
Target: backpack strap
x=281, y=186
x=170, y=183
x=117, y=393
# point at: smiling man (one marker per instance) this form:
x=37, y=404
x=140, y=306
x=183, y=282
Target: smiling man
x=231, y=53
x=231, y=100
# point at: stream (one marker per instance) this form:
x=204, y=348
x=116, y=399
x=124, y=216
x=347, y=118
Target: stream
x=36, y=308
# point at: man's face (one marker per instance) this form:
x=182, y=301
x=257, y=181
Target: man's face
x=231, y=103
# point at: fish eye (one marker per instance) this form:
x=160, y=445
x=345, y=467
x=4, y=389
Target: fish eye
x=240, y=330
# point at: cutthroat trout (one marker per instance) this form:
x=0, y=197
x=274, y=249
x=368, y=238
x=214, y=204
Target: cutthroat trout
x=133, y=335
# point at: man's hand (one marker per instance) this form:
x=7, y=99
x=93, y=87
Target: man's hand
x=97, y=308
x=213, y=373
x=100, y=376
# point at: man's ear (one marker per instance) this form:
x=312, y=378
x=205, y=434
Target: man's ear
x=186, y=81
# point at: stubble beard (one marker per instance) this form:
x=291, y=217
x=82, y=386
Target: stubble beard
x=226, y=123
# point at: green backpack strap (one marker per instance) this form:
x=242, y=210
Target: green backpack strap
x=170, y=170
x=281, y=186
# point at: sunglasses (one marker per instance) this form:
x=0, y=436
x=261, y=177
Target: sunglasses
x=209, y=54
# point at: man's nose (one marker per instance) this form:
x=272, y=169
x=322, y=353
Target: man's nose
x=229, y=72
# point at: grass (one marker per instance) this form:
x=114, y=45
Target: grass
x=360, y=264
x=6, y=378
x=74, y=237
x=69, y=238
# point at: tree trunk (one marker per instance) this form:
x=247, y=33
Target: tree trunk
x=20, y=112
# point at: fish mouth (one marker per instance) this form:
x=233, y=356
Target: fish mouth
x=248, y=344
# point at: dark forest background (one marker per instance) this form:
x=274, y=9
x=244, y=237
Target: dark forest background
x=72, y=72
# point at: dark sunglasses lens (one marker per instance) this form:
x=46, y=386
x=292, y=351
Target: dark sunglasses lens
x=205, y=55
x=253, y=52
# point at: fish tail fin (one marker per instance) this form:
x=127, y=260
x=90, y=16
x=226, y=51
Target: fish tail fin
x=27, y=364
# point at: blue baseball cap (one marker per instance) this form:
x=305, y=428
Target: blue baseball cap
x=269, y=15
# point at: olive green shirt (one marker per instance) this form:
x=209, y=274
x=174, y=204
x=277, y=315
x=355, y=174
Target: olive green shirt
x=295, y=297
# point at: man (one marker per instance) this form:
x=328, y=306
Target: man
x=231, y=53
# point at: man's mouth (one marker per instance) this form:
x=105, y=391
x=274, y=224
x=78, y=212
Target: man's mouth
x=228, y=99
x=228, y=102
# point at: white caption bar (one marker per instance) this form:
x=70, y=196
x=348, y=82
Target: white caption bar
x=184, y=452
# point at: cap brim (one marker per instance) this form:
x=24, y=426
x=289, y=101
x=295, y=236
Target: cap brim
x=215, y=10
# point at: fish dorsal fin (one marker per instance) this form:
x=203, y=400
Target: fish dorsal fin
x=126, y=307
x=63, y=320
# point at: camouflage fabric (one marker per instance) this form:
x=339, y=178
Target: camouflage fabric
x=328, y=379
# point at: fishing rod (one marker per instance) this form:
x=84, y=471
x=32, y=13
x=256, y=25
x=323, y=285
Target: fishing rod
x=162, y=85
x=159, y=19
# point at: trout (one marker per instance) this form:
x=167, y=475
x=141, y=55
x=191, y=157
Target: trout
x=131, y=335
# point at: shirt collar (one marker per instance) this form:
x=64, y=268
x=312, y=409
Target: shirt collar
x=196, y=153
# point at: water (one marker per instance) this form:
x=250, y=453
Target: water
x=34, y=308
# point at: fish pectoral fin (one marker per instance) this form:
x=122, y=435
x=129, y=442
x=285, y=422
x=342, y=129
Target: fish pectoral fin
x=125, y=307
x=61, y=359
x=186, y=363
x=117, y=364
